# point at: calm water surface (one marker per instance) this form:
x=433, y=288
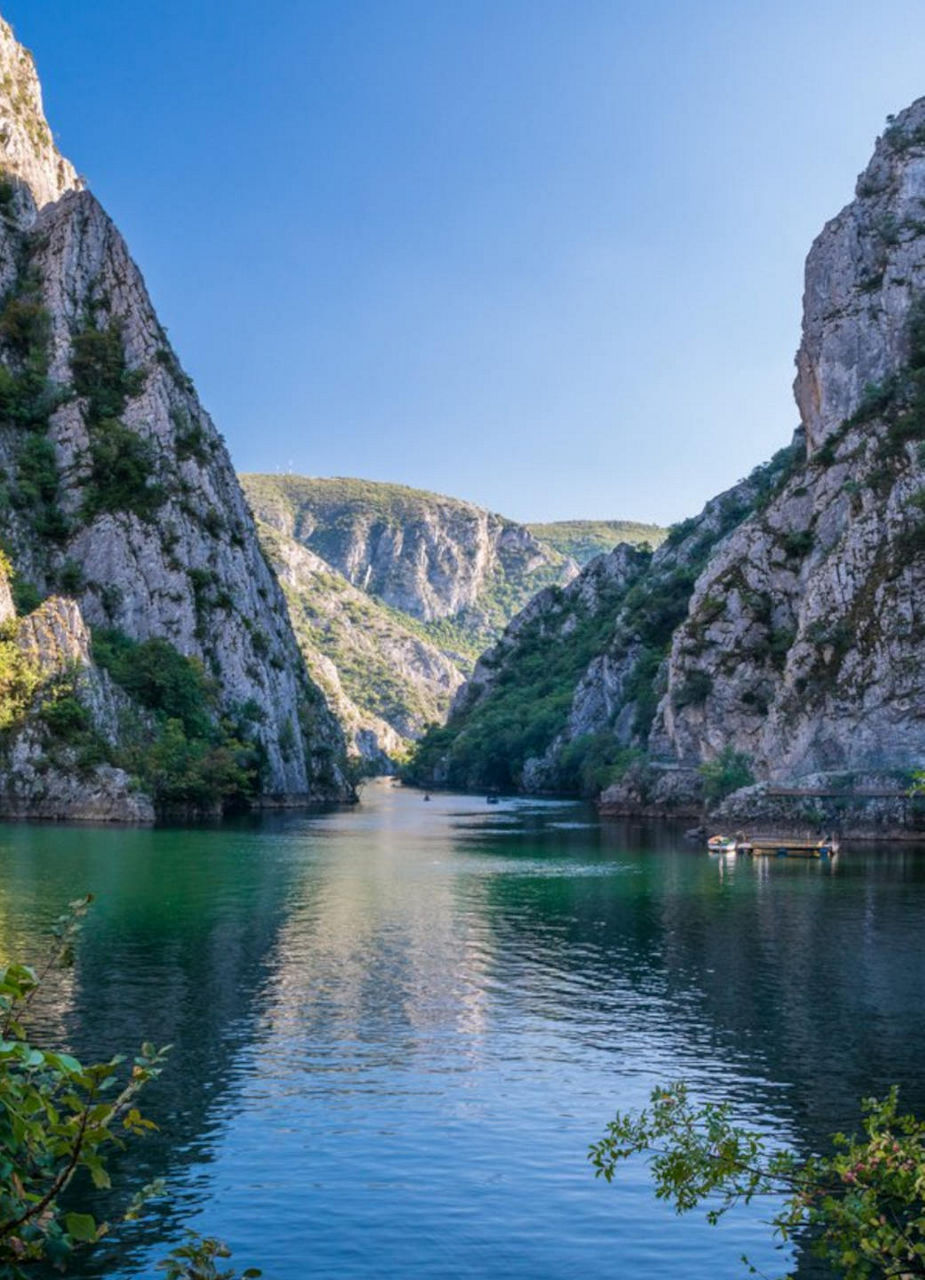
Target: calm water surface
x=398, y=1028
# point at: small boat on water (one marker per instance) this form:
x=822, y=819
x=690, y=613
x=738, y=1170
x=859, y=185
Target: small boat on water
x=722, y=844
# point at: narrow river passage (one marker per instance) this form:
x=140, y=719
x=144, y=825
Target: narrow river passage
x=397, y=1028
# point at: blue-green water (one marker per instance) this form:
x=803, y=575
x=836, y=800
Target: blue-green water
x=397, y=1028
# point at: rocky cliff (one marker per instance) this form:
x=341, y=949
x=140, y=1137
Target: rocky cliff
x=456, y=568
x=384, y=681
x=570, y=691
x=835, y=566
x=117, y=491
x=393, y=592
x=778, y=637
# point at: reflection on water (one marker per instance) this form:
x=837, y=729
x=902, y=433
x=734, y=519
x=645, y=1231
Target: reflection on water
x=398, y=1028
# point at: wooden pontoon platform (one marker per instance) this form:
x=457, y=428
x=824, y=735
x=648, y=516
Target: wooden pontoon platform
x=790, y=847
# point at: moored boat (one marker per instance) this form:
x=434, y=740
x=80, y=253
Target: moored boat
x=722, y=844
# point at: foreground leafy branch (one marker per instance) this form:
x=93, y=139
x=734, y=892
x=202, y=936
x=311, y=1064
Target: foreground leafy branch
x=197, y=1259
x=60, y=1119
x=862, y=1207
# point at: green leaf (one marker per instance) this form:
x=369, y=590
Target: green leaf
x=81, y=1226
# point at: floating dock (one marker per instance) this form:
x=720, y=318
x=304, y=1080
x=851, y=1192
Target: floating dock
x=774, y=846
x=789, y=847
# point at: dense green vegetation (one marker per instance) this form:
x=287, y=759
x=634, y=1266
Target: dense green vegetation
x=727, y=773
x=19, y=678
x=526, y=706
x=528, y=702
x=592, y=762
x=860, y=1207
x=184, y=752
x=122, y=468
x=28, y=397
x=582, y=540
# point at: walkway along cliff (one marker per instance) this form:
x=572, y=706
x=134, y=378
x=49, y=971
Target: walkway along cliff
x=776, y=640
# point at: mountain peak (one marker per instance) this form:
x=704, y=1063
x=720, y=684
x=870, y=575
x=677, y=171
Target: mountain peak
x=27, y=148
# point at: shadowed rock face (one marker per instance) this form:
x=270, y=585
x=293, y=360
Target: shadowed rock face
x=138, y=508
x=796, y=624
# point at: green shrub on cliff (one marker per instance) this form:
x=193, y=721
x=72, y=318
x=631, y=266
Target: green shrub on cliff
x=19, y=679
x=26, y=596
x=186, y=754
x=121, y=468
x=122, y=465
x=100, y=370
x=591, y=763
x=27, y=399
x=727, y=773
x=155, y=674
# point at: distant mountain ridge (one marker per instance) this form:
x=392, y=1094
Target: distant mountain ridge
x=435, y=558
x=394, y=591
x=585, y=539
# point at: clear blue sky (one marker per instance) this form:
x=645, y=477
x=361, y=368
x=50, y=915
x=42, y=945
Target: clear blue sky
x=543, y=254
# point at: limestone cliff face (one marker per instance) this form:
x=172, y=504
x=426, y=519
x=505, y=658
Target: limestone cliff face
x=787, y=622
x=384, y=682
x=809, y=625
x=426, y=555
x=571, y=689
x=29, y=151
x=41, y=777
x=393, y=592
x=116, y=483
x=863, y=275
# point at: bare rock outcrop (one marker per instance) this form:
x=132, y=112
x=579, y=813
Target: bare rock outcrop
x=41, y=776
x=384, y=681
x=29, y=151
x=427, y=555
